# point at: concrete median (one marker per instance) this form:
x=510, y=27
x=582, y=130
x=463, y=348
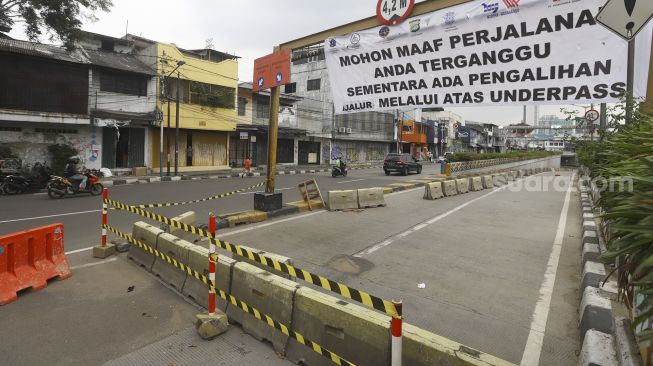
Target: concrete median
x=356, y=333
x=462, y=185
x=433, y=191
x=370, y=198
x=450, y=188
x=176, y=249
x=477, y=184
x=488, y=182
x=149, y=235
x=185, y=218
x=343, y=200
x=268, y=293
x=277, y=257
x=198, y=291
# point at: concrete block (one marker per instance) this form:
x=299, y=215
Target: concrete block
x=268, y=293
x=351, y=331
x=595, y=312
x=277, y=257
x=343, y=200
x=450, y=188
x=176, y=249
x=488, y=182
x=210, y=326
x=500, y=179
x=149, y=235
x=597, y=350
x=462, y=185
x=593, y=274
x=590, y=236
x=423, y=348
x=433, y=191
x=103, y=252
x=477, y=184
x=590, y=253
x=371, y=197
x=196, y=289
x=589, y=225
x=185, y=218
x=511, y=176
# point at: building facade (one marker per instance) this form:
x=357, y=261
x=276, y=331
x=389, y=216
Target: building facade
x=207, y=82
x=49, y=95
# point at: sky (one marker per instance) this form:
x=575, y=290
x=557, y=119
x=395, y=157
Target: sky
x=250, y=28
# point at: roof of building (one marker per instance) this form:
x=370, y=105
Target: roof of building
x=118, y=61
x=201, y=53
x=40, y=50
x=108, y=59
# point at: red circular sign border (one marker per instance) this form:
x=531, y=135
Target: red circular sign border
x=384, y=21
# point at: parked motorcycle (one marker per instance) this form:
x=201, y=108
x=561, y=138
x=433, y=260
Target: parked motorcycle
x=58, y=187
x=335, y=172
x=17, y=183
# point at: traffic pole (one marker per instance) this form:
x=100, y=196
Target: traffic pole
x=212, y=266
x=396, y=334
x=105, y=197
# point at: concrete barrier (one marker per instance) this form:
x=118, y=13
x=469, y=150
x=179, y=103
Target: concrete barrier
x=177, y=249
x=488, y=182
x=371, y=197
x=356, y=333
x=268, y=293
x=462, y=185
x=149, y=235
x=277, y=257
x=433, y=191
x=343, y=200
x=511, y=175
x=198, y=291
x=500, y=179
x=477, y=184
x=185, y=218
x=423, y=348
x=449, y=187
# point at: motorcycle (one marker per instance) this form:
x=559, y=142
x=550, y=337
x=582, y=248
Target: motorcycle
x=16, y=183
x=335, y=172
x=58, y=187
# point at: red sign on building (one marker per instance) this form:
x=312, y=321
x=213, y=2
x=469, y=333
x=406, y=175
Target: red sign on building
x=272, y=70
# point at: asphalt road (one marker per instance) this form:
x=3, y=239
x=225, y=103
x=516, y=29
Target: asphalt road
x=81, y=215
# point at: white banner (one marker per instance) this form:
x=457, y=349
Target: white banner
x=490, y=52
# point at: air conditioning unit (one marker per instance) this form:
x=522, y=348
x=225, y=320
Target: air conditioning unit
x=349, y=130
x=342, y=130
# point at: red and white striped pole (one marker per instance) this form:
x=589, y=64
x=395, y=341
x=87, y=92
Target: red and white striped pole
x=396, y=334
x=212, y=266
x=105, y=197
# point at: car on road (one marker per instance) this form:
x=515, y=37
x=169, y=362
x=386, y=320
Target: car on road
x=401, y=163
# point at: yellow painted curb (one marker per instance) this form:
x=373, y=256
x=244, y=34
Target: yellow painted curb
x=248, y=217
x=303, y=206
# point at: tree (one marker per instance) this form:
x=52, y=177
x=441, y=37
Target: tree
x=62, y=19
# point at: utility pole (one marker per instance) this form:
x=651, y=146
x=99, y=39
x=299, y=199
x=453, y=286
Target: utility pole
x=161, y=136
x=168, y=138
x=333, y=130
x=177, y=125
x=604, y=118
x=179, y=64
x=275, y=96
x=630, y=81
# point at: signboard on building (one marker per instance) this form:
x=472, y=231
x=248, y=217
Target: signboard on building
x=244, y=135
x=272, y=70
x=495, y=52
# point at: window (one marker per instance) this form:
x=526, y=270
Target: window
x=408, y=128
x=130, y=84
x=107, y=45
x=55, y=130
x=262, y=107
x=210, y=95
x=313, y=84
x=11, y=129
x=290, y=88
x=242, y=104
x=306, y=55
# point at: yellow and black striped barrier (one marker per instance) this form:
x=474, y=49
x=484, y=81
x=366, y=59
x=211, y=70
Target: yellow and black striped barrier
x=362, y=297
x=234, y=301
x=216, y=197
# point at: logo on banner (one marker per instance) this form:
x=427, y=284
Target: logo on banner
x=511, y=3
x=332, y=43
x=491, y=8
x=355, y=40
x=449, y=18
x=384, y=31
x=415, y=25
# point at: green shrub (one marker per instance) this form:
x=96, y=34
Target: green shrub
x=517, y=155
x=60, y=154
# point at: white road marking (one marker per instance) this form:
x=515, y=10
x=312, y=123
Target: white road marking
x=79, y=251
x=49, y=216
x=533, y=349
x=422, y=225
x=39, y=194
x=350, y=181
x=93, y=264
